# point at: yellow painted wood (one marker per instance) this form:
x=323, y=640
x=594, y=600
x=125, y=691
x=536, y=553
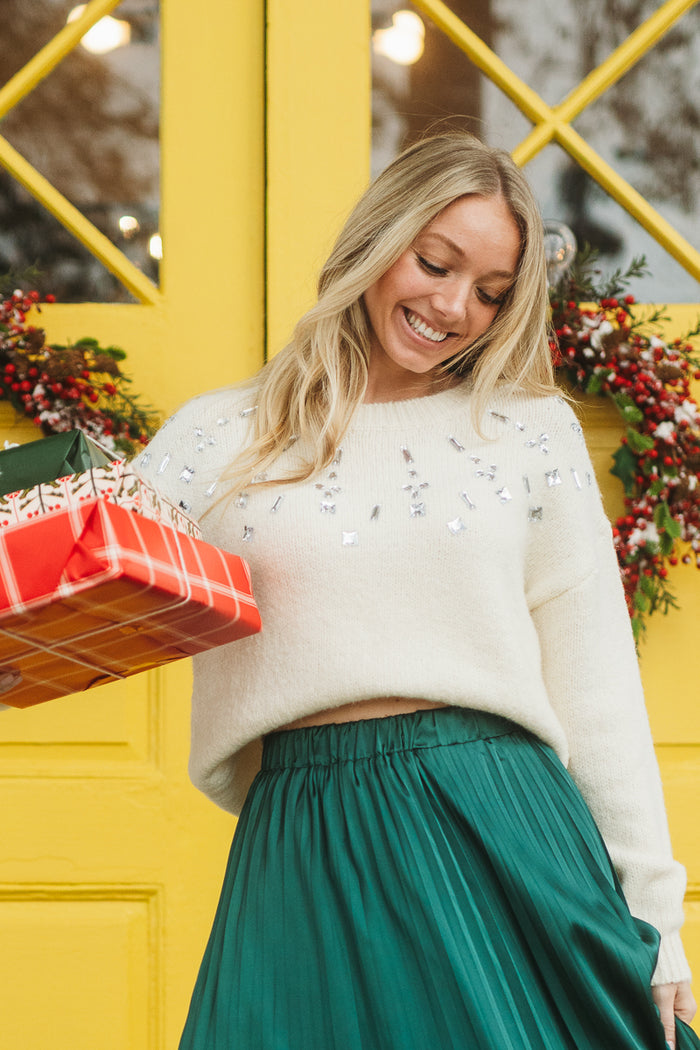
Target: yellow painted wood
x=41, y=64
x=112, y=862
x=318, y=141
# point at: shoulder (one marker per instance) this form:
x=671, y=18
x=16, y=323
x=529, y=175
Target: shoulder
x=553, y=412
x=192, y=448
x=223, y=407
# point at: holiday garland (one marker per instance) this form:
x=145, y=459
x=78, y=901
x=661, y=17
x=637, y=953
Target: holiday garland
x=604, y=346
x=63, y=387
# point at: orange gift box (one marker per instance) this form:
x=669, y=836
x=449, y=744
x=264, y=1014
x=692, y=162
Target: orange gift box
x=95, y=593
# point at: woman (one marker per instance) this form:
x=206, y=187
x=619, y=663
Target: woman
x=446, y=664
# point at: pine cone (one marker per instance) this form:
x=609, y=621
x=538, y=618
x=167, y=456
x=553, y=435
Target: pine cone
x=668, y=372
x=105, y=363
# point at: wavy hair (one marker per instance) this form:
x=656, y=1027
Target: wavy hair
x=311, y=389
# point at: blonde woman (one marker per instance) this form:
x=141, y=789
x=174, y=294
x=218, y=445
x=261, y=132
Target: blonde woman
x=443, y=713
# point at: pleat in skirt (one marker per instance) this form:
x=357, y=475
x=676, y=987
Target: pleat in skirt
x=424, y=881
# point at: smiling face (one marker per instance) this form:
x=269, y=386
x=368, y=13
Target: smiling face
x=440, y=295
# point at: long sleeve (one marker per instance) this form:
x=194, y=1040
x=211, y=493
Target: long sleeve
x=591, y=674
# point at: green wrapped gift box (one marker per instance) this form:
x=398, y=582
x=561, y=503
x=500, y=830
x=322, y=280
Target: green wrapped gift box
x=49, y=458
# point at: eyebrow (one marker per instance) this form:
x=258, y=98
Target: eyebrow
x=506, y=274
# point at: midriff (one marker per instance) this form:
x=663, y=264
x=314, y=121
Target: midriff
x=377, y=707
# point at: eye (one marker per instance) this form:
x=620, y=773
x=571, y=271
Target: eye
x=491, y=300
x=431, y=268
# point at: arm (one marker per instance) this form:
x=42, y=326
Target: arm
x=591, y=673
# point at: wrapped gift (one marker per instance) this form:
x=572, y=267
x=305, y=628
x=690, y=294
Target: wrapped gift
x=49, y=458
x=94, y=593
x=117, y=482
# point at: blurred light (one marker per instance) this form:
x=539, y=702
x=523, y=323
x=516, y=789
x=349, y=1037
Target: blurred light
x=129, y=225
x=402, y=42
x=105, y=35
x=155, y=246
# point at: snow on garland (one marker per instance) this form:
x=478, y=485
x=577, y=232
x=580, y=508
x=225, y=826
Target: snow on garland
x=605, y=346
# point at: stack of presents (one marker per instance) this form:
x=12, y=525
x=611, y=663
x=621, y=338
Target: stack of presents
x=100, y=577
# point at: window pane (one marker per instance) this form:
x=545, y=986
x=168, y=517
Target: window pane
x=650, y=137
x=91, y=128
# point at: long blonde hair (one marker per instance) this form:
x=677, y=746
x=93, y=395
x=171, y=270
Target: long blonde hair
x=311, y=389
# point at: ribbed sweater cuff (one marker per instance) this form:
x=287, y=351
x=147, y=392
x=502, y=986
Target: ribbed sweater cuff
x=672, y=966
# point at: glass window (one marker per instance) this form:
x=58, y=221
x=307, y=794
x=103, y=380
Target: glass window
x=646, y=126
x=91, y=127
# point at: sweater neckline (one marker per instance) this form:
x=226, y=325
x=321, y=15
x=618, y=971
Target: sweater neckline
x=414, y=410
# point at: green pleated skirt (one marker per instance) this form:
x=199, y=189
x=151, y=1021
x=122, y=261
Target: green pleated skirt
x=426, y=881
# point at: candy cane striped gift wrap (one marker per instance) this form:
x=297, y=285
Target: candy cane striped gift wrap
x=95, y=593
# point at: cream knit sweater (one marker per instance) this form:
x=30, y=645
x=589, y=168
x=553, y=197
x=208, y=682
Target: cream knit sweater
x=429, y=561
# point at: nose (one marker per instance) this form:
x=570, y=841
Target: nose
x=451, y=300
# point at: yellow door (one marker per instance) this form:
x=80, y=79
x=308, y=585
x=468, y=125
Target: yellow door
x=111, y=863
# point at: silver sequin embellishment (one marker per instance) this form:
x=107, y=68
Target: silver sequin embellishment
x=553, y=477
x=577, y=428
x=163, y=463
x=486, y=472
x=199, y=432
x=540, y=442
x=351, y=539
x=501, y=418
x=526, y=483
x=211, y=490
x=456, y=526
x=184, y=505
x=276, y=505
x=415, y=489
x=589, y=479
x=327, y=507
x=534, y=514
x=456, y=444
x=248, y=532
x=577, y=480
x=519, y=426
x=222, y=421
x=186, y=474
x=259, y=478
x=504, y=495
x=243, y=413
x=241, y=501
x=145, y=459
x=374, y=516
x=465, y=497
x=337, y=458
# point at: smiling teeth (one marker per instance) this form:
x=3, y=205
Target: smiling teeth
x=423, y=329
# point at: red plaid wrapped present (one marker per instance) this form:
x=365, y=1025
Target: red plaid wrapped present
x=95, y=593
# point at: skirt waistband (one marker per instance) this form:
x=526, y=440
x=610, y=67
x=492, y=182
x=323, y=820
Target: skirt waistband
x=369, y=737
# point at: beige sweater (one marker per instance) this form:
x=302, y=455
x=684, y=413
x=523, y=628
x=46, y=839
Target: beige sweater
x=430, y=561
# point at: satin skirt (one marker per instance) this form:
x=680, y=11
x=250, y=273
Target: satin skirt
x=424, y=881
